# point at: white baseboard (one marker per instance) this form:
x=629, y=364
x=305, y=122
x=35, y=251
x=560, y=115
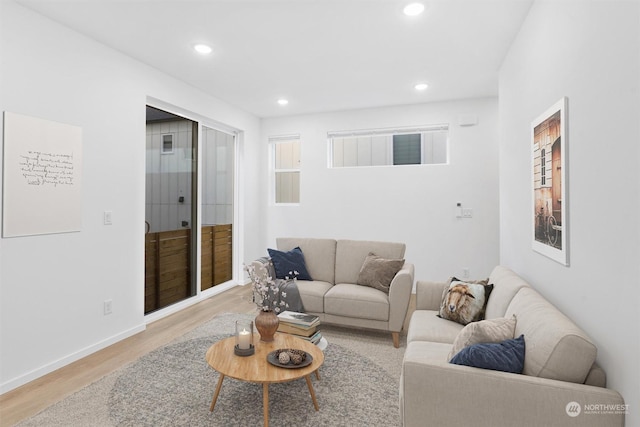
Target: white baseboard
x=57, y=364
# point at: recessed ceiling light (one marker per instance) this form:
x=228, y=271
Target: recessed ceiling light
x=413, y=9
x=202, y=49
x=283, y=101
x=421, y=86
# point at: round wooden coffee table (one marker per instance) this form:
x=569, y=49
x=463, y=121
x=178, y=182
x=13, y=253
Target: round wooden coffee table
x=257, y=369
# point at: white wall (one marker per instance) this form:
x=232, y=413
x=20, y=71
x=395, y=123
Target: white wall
x=413, y=204
x=52, y=287
x=589, y=52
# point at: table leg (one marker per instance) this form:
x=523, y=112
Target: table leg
x=217, y=392
x=265, y=403
x=318, y=374
x=313, y=393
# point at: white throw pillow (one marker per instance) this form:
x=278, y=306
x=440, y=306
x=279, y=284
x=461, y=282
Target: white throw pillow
x=484, y=331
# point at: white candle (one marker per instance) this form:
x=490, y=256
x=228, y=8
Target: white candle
x=244, y=339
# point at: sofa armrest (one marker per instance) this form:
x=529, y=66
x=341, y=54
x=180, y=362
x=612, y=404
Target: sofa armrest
x=399, y=296
x=448, y=394
x=429, y=295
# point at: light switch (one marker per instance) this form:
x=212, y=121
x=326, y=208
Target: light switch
x=108, y=217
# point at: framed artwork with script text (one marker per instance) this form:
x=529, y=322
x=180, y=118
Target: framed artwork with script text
x=42, y=163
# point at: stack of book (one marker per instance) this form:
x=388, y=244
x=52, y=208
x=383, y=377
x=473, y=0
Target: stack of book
x=302, y=325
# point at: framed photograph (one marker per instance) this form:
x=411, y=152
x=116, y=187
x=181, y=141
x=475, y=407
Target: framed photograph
x=549, y=164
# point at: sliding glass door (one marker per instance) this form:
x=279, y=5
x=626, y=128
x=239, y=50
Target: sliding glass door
x=174, y=218
x=218, y=160
x=169, y=209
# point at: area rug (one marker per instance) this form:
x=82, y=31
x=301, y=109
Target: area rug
x=173, y=386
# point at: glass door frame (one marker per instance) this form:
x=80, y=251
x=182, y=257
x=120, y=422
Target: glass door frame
x=196, y=262
x=235, y=240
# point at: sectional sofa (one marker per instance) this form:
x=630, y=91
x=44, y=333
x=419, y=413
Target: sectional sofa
x=561, y=384
x=333, y=294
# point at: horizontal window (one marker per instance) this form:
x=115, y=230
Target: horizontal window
x=389, y=147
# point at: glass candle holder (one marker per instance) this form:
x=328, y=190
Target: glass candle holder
x=244, y=338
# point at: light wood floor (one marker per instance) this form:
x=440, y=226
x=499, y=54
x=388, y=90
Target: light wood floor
x=37, y=395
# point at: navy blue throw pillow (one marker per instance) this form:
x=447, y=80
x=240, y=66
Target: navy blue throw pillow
x=286, y=263
x=505, y=356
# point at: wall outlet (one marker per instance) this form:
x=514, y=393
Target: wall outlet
x=467, y=213
x=465, y=273
x=108, y=307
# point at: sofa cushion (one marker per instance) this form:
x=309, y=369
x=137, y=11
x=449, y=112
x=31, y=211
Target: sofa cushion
x=427, y=353
x=378, y=272
x=464, y=302
x=505, y=356
x=484, y=331
x=351, y=300
x=506, y=284
x=425, y=325
x=557, y=349
x=289, y=264
x=320, y=255
x=350, y=255
x=312, y=294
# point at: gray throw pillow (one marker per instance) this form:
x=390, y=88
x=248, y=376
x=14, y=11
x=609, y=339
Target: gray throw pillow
x=378, y=272
x=484, y=331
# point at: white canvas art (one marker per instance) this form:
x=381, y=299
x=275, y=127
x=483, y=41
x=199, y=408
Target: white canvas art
x=42, y=165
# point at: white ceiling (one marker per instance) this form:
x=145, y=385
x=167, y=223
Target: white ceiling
x=322, y=55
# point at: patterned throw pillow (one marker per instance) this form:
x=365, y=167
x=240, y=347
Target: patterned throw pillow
x=287, y=264
x=484, y=331
x=378, y=272
x=465, y=302
x=506, y=356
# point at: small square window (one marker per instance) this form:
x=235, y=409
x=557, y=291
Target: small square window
x=407, y=149
x=167, y=143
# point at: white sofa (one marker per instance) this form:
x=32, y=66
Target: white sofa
x=561, y=384
x=334, y=296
